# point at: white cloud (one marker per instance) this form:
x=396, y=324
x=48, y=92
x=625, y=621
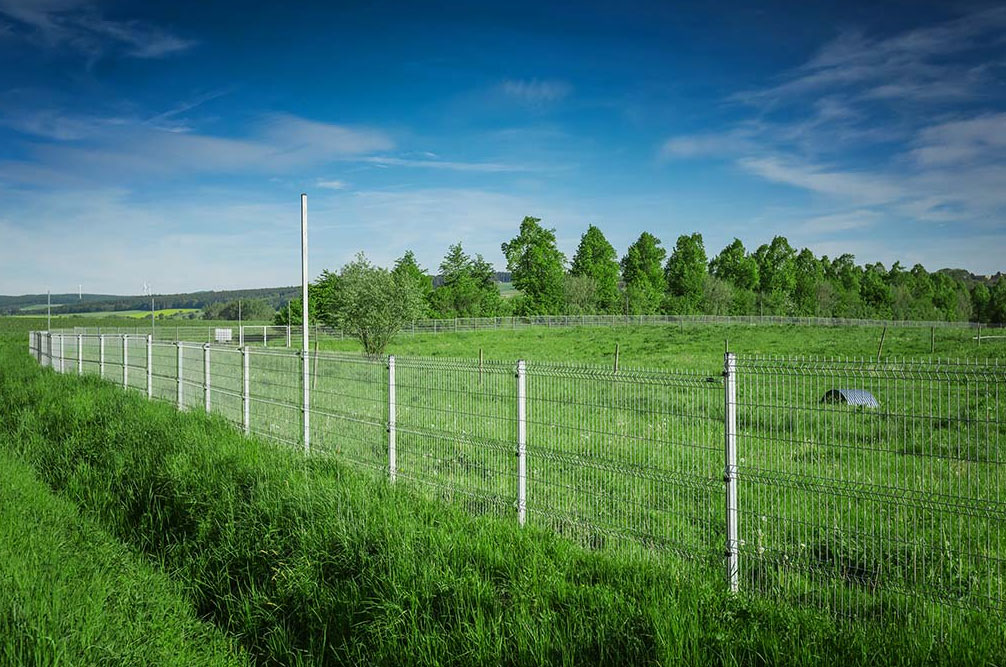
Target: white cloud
x=446, y=164
x=331, y=184
x=840, y=222
x=77, y=25
x=99, y=150
x=535, y=92
x=854, y=186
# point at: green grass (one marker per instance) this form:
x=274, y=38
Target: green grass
x=278, y=551
x=694, y=346
x=71, y=594
x=307, y=561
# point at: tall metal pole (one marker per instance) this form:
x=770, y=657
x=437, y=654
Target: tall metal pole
x=305, y=361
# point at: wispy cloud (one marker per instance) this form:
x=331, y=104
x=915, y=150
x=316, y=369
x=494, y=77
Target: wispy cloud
x=331, y=184
x=107, y=149
x=77, y=25
x=904, y=124
x=535, y=92
x=493, y=167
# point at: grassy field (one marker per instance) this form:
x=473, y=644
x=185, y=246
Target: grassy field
x=837, y=546
x=692, y=346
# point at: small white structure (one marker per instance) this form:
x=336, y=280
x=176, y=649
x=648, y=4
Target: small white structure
x=223, y=335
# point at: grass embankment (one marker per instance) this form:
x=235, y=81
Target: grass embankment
x=305, y=561
x=72, y=594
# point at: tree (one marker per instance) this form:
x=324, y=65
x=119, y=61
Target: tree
x=537, y=266
x=596, y=259
x=407, y=268
x=469, y=288
x=372, y=303
x=579, y=295
x=643, y=275
x=717, y=296
x=246, y=310
x=685, y=275
x=735, y=266
x=777, y=267
x=809, y=274
x=980, y=298
x=997, y=302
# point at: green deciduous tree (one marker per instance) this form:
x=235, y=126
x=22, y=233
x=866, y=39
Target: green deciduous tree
x=735, y=266
x=596, y=259
x=469, y=288
x=685, y=275
x=407, y=268
x=372, y=303
x=642, y=272
x=537, y=266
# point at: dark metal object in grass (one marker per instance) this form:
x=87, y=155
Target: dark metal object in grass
x=850, y=397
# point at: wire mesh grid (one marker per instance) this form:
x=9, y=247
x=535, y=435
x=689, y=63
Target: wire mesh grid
x=456, y=432
x=632, y=455
x=866, y=508
x=863, y=486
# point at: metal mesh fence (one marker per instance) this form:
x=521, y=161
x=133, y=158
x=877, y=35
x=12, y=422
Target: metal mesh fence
x=858, y=486
x=864, y=483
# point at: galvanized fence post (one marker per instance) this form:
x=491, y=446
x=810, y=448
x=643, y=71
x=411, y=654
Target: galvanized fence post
x=206, y=376
x=101, y=355
x=62, y=362
x=305, y=401
x=730, y=468
x=80, y=354
x=521, y=444
x=245, y=391
x=125, y=361
x=178, y=372
x=392, y=453
x=150, y=366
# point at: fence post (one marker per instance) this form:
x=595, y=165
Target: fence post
x=245, y=391
x=125, y=360
x=521, y=444
x=80, y=354
x=241, y=335
x=265, y=336
x=288, y=335
x=101, y=355
x=305, y=401
x=730, y=468
x=150, y=366
x=206, y=376
x=178, y=372
x=392, y=452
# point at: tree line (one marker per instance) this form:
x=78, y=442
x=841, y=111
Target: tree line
x=774, y=279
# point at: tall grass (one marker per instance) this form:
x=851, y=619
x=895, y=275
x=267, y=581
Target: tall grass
x=71, y=594
x=304, y=561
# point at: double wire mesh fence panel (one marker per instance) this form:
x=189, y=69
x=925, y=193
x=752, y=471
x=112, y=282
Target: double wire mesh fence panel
x=632, y=456
x=866, y=487
x=863, y=487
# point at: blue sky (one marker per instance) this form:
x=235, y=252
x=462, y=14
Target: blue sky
x=168, y=142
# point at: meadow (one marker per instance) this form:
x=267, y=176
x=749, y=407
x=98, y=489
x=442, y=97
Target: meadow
x=615, y=461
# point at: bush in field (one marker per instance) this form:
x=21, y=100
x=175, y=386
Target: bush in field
x=369, y=302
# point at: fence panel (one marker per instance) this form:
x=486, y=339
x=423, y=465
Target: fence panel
x=349, y=408
x=456, y=431
x=275, y=395
x=628, y=456
x=867, y=508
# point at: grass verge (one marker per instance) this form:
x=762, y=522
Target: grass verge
x=71, y=594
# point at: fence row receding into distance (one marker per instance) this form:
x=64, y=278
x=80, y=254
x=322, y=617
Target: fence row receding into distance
x=759, y=470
